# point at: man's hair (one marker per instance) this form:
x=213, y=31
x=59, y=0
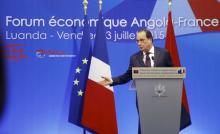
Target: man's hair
x=147, y=32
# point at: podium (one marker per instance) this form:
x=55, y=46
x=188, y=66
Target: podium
x=159, y=95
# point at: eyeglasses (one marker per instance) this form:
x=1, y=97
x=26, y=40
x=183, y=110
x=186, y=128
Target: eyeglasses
x=140, y=40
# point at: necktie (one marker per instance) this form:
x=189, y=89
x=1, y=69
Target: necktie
x=147, y=59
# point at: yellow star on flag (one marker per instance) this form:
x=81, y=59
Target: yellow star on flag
x=84, y=61
x=76, y=82
x=80, y=93
x=78, y=70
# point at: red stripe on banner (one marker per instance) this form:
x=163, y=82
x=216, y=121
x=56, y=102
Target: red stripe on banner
x=206, y=9
x=172, y=48
x=99, y=109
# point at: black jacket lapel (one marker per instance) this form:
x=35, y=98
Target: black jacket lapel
x=156, y=56
x=140, y=59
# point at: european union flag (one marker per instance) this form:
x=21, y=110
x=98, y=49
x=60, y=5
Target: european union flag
x=80, y=77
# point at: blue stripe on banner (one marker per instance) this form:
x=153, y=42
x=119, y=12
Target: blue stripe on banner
x=101, y=39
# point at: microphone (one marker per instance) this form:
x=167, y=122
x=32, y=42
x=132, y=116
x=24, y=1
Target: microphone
x=152, y=57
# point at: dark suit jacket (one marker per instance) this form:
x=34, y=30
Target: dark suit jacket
x=161, y=59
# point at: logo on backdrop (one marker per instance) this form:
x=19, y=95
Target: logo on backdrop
x=41, y=53
x=14, y=52
x=17, y=52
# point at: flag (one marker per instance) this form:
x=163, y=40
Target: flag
x=80, y=77
x=99, y=107
x=172, y=48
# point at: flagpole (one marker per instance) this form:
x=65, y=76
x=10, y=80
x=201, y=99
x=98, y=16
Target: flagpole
x=169, y=4
x=85, y=7
x=100, y=5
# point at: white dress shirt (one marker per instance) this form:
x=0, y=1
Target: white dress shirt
x=151, y=55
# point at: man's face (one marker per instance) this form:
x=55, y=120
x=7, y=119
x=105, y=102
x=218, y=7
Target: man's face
x=143, y=42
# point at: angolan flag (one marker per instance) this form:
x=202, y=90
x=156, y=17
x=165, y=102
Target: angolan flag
x=172, y=48
x=99, y=107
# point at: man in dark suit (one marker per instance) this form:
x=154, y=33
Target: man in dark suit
x=148, y=56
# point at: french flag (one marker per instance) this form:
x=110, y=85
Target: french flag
x=99, y=106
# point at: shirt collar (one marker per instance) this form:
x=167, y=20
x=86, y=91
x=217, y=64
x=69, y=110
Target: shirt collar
x=151, y=51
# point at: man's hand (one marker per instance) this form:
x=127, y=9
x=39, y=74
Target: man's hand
x=107, y=81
